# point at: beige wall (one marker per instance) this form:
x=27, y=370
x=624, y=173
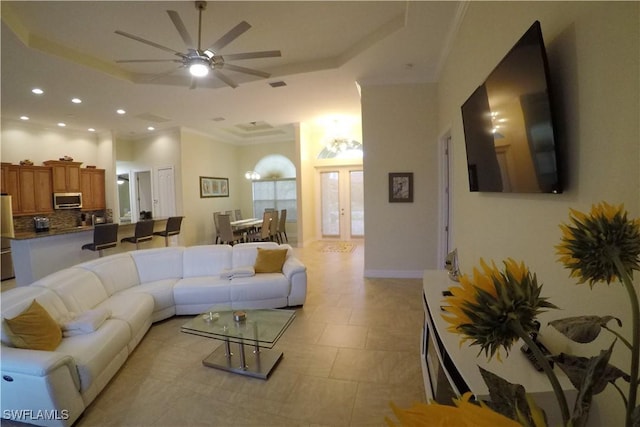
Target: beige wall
x=22, y=140
x=593, y=54
x=399, y=131
x=205, y=156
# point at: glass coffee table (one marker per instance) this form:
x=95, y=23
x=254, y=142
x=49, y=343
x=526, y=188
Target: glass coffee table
x=258, y=329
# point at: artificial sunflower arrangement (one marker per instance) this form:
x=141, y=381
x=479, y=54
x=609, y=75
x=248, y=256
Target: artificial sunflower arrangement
x=496, y=307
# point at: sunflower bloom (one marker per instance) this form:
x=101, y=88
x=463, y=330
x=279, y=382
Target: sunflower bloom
x=464, y=414
x=483, y=308
x=604, y=246
x=591, y=242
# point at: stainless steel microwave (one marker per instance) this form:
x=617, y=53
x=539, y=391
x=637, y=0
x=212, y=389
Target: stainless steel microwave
x=67, y=200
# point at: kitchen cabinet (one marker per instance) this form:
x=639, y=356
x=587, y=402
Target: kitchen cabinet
x=92, y=186
x=10, y=185
x=66, y=176
x=35, y=194
x=30, y=188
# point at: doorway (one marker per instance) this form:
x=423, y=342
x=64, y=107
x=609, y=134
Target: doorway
x=445, y=225
x=143, y=195
x=341, y=203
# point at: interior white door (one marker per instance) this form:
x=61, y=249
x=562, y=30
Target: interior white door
x=341, y=203
x=166, y=201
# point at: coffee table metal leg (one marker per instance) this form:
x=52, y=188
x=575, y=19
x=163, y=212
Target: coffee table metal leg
x=227, y=348
x=243, y=360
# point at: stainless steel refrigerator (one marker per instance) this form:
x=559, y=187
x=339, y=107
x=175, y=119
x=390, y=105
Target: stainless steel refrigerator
x=6, y=231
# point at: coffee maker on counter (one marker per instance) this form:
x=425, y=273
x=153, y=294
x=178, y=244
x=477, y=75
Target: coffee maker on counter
x=41, y=223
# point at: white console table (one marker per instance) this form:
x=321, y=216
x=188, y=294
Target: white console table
x=442, y=356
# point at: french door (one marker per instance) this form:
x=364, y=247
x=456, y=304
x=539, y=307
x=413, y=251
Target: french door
x=341, y=203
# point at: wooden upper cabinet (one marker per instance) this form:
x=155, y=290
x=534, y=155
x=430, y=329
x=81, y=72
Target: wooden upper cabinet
x=11, y=184
x=35, y=190
x=66, y=176
x=92, y=185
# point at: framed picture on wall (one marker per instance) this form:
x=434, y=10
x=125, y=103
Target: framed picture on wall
x=214, y=187
x=401, y=187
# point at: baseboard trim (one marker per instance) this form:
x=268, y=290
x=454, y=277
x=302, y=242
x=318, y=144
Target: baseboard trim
x=394, y=274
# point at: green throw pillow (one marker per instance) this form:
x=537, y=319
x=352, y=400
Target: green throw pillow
x=34, y=329
x=270, y=260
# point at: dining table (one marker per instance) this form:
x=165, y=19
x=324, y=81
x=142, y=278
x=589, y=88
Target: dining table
x=246, y=224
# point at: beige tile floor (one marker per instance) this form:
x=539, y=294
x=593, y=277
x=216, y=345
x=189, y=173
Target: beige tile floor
x=352, y=349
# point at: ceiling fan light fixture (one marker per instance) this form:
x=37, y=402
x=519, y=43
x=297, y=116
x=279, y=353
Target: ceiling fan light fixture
x=199, y=68
x=208, y=53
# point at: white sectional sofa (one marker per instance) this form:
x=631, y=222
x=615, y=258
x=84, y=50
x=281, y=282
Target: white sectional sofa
x=137, y=288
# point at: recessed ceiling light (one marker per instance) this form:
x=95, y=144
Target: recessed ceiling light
x=91, y=130
x=37, y=91
x=24, y=117
x=121, y=111
x=76, y=100
x=151, y=128
x=62, y=124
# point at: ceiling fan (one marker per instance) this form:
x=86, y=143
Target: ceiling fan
x=200, y=61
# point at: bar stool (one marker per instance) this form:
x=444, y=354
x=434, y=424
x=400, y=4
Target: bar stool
x=172, y=229
x=143, y=233
x=105, y=236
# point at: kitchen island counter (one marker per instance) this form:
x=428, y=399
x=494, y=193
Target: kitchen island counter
x=24, y=235
x=36, y=255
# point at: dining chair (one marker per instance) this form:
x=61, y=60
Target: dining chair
x=227, y=235
x=263, y=233
x=238, y=214
x=282, y=230
x=172, y=229
x=143, y=233
x=217, y=227
x=273, y=227
x=105, y=236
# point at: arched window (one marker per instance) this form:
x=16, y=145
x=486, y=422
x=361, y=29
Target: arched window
x=276, y=188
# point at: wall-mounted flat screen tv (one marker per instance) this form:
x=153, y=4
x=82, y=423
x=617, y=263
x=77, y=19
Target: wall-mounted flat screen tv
x=508, y=124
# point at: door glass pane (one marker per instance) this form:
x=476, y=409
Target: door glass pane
x=330, y=194
x=356, y=180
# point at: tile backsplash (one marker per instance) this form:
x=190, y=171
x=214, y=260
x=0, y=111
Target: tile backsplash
x=60, y=219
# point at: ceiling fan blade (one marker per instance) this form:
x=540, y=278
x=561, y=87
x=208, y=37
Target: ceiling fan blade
x=251, y=55
x=155, y=77
x=231, y=35
x=122, y=61
x=246, y=70
x=150, y=43
x=225, y=79
x=182, y=30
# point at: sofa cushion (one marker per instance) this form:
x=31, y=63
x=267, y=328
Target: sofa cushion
x=259, y=287
x=202, y=290
x=207, y=260
x=161, y=291
x=133, y=308
x=79, y=289
x=85, y=323
x=16, y=300
x=34, y=329
x=93, y=352
x=158, y=264
x=116, y=272
x=245, y=254
x=270, y=260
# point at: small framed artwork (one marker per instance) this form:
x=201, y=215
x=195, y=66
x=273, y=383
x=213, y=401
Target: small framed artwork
x=214, y=187
x=401, y=187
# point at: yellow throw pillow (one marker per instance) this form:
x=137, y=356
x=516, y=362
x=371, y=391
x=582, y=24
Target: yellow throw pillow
x=34, y=329
x=270, y=260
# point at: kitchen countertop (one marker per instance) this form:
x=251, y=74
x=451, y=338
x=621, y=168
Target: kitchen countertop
x=26, y=235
